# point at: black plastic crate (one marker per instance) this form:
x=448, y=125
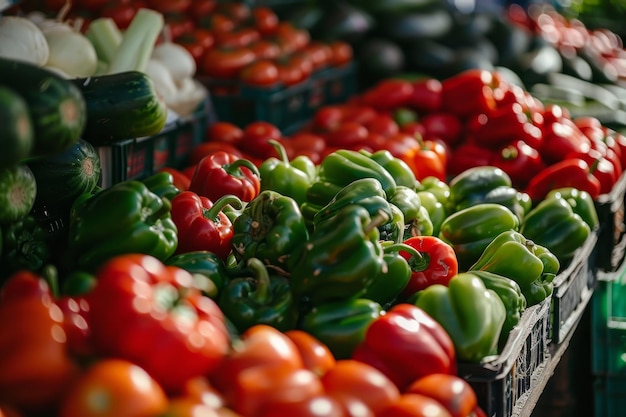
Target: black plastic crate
x=141, y=157
x=503, y=383
x=612, y=234
x=573, y=288
x=287, y=108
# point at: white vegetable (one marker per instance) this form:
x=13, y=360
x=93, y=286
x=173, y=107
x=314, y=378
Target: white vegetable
x=177, y=60
x=190, y=95
x=21, y=39
x=71, y=52
x=163, y=81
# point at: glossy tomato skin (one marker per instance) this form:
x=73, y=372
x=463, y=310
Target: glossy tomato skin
x=315, y=406
x=121, y=12
x=226, y=63
x=256, y=137
x=222, y=131
x=260, y=73
x=170, y=6
x=265, y=20
x=316, y=356
x=123, y=389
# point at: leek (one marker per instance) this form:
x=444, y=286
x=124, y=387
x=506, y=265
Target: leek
x=105, y=37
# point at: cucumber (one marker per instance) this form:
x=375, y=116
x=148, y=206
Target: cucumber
x=57, y=108
x=121, y=106
x=64, y=176
x=18, y=189
x=16, y=128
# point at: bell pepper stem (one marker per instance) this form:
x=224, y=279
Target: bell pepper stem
x=262, y=292
x=282, y=153
x=233, y=168
x=380, y=218
x=220, y=203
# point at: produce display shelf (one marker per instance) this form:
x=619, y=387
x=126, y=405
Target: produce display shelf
x=503, y=383
x=139, y=158
x=287, y=108
x=573, y=289
x=612, y=235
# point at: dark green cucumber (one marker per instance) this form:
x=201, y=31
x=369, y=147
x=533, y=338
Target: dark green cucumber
x=64, y=176
x=121, y=106
x=16, y=128
x=57, y=107
x=18, y=189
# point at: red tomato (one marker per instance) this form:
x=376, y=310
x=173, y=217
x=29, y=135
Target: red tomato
x=224, y=132
x=239, y=11
x=113, y=388
x=383, y=124
x=362, y=381
x=292, y=71
x=169, y=6
x=121, y=12
x=217, y=22
x=226, y=62
x=197, y=43
x=451, y=391
x=347, y=135
x=314, y=406
x=341, y=53
x=265, y=20
x=237, y=38
x=187, y=407
x=328, y=117
x=316, y=356
x=201, y=8
x=290, y=38
x=320, y=54
x=265, y=49
x=178, y=24
x=414, y=405
x=256, y=136
x=260, y=73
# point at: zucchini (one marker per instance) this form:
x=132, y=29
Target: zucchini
x=57, y=108
x=64, y=176
x=16, y=128
x=18, y=189
x=121, y=106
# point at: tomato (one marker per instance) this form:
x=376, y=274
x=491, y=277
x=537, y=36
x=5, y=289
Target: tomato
x=239, y=11
x=429, y=161
x=216, y=23
x=362, y=381
x=314, y=406
x=121, y=12
x=224, y=132
x=328, y=117
x=197, y=42
x=256, y=137
x=316, y=356
x=207, y=148
x=200, y=389
x=260, y=345
x=179, y=24
x=292, y=71
x=347, y=135
x=383, y=124
x=266, y=386
x=290, y=38
x=265, y=49
x=341, y=53
x=451, y=391
x=265, y=20
x=260, y=73
x=226, y=62
x=201, y=8
x=114, y=388
x=414, y=405
x=306, y=143
x=359, y=113
x=238, y=37
x=319, y=52
x=169, y=6
x=388, y=94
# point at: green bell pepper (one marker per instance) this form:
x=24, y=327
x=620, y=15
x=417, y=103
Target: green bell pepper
x=439, y=188
x=289, y=178
x=554, y=224
x=473, y=183
x=402, y=174
x=387, y=286
x=417, y=220
x=162, y=184
x=343, y=166
x=516, y=201
x=581, y=202
x=268, y=228
x=124, y=218
x=341, y=325
x=471, y=229
x=341, y=258
x=259, y=298
x=436, y=211
x=208, y=269
x=472, y=314
x=512, y=297
x=531, y=265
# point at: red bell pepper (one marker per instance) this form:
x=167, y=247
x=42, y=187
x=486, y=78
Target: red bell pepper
x=35, y=368
x=388, y=94
x=467, y=155
x=201, y=224
x=437, y=264
x=520, y=161
x=600, y=167
x=430, y=160
x=573, y=172
x=469, y=92
x=560, y=136
x=442, y=126
x=221, y=173
x=426, y=97
x=155, y=316
x=616, y=141
x=406, y=344
x=505, y=124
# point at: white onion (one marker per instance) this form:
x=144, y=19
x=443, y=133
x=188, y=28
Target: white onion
x=178, y=61
x=163, y=81
x=71, y=52
x=22, y=40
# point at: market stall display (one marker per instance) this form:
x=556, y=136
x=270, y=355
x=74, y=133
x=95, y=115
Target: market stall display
x=418, y=242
